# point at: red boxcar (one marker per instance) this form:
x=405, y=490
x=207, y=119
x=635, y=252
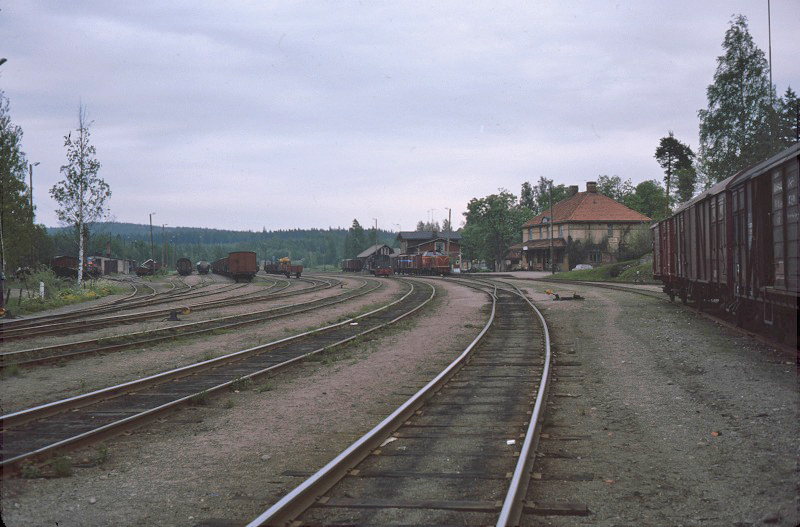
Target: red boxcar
x=736, y=245
x=239, y=265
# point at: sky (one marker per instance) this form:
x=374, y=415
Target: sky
x=294, y=114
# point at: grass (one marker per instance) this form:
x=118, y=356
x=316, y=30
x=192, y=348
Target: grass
x=58, y=292
x=61, y=466
x=265, y=387
x=616, y=272
x=199, y=399
x=12, y=370
x=241, y=384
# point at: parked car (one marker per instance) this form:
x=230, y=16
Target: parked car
x=581, y=267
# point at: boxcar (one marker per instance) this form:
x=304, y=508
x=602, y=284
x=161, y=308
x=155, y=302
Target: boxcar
x=352, y=265
x=203, y=267
x=736, y=245
x=239, y=265
x=65, y=266
x=184, y=266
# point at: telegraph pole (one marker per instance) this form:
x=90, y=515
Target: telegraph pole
x=152, y=249
x=552, y=253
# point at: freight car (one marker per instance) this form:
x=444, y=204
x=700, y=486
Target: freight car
x=429, y=263
x=203, y=267
x=352, y=265
x=239, y=265
x=184, y=266
x=735, y=246
x=148, y=267
x=283, y=266
x=67, y=267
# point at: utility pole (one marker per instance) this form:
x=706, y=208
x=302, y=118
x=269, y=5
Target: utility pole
x=30, y=169
x=375, y=257
x=163, y=246
x=449, y=228
x=152, y=249
x=552, y=253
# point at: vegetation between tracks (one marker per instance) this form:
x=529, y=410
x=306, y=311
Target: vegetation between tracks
x=57, y=292
x=630, y=271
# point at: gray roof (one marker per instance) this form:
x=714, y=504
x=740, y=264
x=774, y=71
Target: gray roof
x=427, y=235
x=372, y=250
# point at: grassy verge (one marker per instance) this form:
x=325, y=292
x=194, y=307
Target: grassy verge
x=58, y=292
x=616, y=272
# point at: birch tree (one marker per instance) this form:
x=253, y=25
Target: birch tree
x=81, y=195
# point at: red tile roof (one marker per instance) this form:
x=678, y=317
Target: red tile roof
x=589, y=206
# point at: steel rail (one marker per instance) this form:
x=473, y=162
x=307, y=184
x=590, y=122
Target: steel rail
x=304, y=495
x=187, y=329
x=513, y=504
x=39, y=413
x=59, y=327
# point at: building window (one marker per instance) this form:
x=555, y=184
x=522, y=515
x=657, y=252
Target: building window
x=610, y=230
x=439, y=247
x=560, y=231
x=594, y=257
x=540, y=232
x=530, y=233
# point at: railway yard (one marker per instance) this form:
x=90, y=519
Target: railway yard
x=652, y=414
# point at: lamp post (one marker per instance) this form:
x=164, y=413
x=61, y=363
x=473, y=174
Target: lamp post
x=152, y=249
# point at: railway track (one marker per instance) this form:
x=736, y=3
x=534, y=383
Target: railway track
x=59, y=326
x=459, y=451
x=40, y=432
x=132, y=301
x=62, y=352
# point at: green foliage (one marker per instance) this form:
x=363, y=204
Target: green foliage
x=674, y=157
x=789, y=109
x=648, y=198
x=20, y=239
x=493, y=224
x=616, y=272
x=536, y=199
x=30, y=471
x=199, y=399
x=81, y=195
x=740, y=125
x=636, y=245
x=58, y=292
x=312, y=248
x=616, y=189
x=61, y=466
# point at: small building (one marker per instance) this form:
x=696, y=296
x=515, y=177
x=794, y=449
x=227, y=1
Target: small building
x=106, y=265
x=376, y=255
x=587, y=227
x=420, y=242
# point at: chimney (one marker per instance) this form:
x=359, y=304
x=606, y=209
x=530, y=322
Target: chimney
x=591, y=186
x=573, y=189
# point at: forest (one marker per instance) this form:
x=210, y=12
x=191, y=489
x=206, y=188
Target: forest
x=314, y=248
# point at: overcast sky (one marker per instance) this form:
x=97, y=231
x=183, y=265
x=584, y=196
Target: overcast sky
x=291, y=114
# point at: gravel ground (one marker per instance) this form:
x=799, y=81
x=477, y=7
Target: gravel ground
x=226, y=461
x=46, y=384
x=675, y=420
